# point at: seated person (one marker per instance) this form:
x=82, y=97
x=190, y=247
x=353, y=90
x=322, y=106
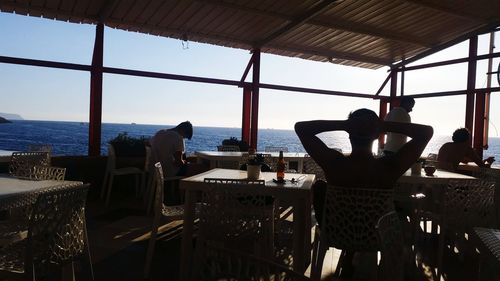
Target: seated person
x=452, y=153
x=167, y=147
x=360, y=169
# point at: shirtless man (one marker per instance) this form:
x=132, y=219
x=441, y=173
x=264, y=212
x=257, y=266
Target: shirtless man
x=361, y=168
x=452, y=153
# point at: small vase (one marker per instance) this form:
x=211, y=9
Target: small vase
x=253, y=172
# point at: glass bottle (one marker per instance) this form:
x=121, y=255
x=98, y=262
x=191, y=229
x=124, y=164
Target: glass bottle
x=280, y=168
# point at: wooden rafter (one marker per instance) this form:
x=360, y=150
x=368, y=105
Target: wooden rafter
x=438, y=6
x=483, y=29
x=106, y=10
x=339, y=24
x=296, y=22
x=332, y=54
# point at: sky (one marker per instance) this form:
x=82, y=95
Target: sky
x=38, y=93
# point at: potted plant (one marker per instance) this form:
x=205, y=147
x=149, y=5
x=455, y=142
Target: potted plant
x=128, y=146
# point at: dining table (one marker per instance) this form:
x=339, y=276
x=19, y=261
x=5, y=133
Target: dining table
x=214, y=157
x=296, y=191
x=16, y=192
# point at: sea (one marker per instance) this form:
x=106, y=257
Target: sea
x=71, y=138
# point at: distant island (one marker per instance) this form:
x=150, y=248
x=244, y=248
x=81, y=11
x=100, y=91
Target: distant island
x=11, y=116
x=3, y=120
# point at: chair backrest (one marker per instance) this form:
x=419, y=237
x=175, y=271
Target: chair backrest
x=57, y=230
x=393, y=247
x=234, y=208
x=276, y=148
x=22, y=164
x=311, y=167
x=111, y=164
x=350, y=216
x=158, y=190
x=469, y=203
x=228, y=148
x=218, y=263
x=49, y=173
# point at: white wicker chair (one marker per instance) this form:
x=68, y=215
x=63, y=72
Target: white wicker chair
x=348, y=223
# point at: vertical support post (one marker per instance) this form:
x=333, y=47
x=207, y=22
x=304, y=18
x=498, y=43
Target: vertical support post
x=255, y=97
x=487, y=96
x=95, y=116
x=394, y=88
x=471, y=84
x=246, y=114
x=382, y=114
x=402, y=91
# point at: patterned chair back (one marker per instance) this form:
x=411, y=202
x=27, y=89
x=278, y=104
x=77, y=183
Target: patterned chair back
x=469, y=203
x=394, y=250
x=57, y=230
x=22, y=164
x=350, y=216
x=234, y=210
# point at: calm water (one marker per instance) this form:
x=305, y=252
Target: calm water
x=70, y=138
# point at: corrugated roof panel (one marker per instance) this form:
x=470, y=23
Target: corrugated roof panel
x=371, y=30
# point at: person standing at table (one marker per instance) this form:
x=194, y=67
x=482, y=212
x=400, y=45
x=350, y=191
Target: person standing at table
x=398, y=114
x=168, y=146
x=452, y=153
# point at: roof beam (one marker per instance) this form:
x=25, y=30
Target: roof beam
x=438, y=6
x=331, y=54
x=483, y=29
x=296, y=22
x=106, y=9
x=348, y=26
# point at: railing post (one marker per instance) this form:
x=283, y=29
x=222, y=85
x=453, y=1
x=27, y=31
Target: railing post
x=382, y=114
x=471, y=85
x=255, y=98
x=394, y=88
x=246, y=114
x=95, y=115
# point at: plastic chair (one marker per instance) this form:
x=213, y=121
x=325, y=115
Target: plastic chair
x=466, y=204
x=57, y=236
x=218, y=263
x=348, y=223
x=161, y=211
x=236, y=214
x=22, y=164
x=396, y=253
x=49, y=173
x=18, y=218
x=40, y=148
x=112, y=171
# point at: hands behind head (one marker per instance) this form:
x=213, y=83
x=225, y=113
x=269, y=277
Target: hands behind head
x=364, y=127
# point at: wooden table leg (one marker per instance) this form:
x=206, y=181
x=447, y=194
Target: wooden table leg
x=187, y=235
x=301, y=233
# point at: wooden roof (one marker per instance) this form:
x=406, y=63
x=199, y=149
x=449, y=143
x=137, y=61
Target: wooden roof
x=364, y=33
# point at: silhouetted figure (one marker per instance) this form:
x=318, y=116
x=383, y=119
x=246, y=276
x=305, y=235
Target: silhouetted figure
x=360, y=169
x=452, y=153
x=167, y=147
x=398, y=114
